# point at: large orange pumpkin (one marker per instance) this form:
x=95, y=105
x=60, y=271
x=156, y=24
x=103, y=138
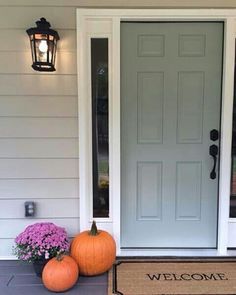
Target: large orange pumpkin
x=60, y=273
x=94, y=251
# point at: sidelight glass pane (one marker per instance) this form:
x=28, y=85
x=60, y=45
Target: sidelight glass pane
x=100, y=128
x=233, y=157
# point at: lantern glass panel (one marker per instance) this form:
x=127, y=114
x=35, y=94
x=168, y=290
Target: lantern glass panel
x=41, y=50
x=40, y=36
x=51, y=50
x=32, y=49
x=54, y=54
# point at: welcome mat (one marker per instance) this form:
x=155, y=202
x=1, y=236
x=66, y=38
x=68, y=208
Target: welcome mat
x=173, y=277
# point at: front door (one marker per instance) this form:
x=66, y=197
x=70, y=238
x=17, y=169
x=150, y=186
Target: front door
x=170, y=101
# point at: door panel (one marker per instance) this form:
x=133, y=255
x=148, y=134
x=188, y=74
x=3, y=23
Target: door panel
x=188, y=190
x=190, y=107
x=150, y=107
x=149, y=201
x=170, y=100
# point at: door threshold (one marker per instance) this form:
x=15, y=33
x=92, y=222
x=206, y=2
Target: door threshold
x=173, y=252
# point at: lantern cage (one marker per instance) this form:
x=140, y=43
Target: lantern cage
x=43, y=42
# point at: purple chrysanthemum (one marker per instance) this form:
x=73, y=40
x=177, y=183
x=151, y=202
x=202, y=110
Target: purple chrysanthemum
x=41, y=240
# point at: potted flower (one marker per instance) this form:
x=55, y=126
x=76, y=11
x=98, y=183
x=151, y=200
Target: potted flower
x=40, y=242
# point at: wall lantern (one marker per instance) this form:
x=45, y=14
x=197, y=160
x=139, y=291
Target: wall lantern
x=43, y=42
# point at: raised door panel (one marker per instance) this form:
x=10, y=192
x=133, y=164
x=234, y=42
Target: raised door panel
x=151, y=45
x=190, y=107
x=150, y=107
x=149, y=191
x=188, y=190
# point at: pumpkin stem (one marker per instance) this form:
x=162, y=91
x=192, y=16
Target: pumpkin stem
x=59, y=256
x=93, y=230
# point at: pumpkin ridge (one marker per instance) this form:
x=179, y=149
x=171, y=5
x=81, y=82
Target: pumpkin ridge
x=112, y=257
x=110, y=247
x=88, y=245
x=94, y=249
x=104, y=246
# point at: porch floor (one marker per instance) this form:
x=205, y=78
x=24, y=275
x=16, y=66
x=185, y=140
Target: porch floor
x=18, y=278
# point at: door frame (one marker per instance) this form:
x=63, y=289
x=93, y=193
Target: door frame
x=105, y=23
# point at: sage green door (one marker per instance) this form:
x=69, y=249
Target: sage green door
x=170, y=101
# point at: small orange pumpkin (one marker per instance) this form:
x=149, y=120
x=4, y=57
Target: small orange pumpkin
x=60, y=273
x=94, y=251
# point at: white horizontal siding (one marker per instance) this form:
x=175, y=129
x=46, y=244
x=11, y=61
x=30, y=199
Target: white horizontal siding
x=38, y=188
x=39, y=148
x=25, y=17
x=39, y=168
x=18, y=62
x=6, y=248
x=45, y=208
x=10, y=228
x=38, y=106
x=38, y=125
x=41, y=84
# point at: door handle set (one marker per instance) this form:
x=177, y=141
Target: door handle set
x=213, y=151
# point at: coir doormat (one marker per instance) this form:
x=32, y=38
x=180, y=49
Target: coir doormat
x=173, y=277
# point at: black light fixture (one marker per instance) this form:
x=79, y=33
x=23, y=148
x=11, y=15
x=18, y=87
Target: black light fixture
x=30, y=209
x=43, y=42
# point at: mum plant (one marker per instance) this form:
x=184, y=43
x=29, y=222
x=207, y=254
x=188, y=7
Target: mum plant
x=41, y=241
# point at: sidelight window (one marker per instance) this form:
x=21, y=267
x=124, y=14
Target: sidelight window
x=100, y=126
x=233, y=157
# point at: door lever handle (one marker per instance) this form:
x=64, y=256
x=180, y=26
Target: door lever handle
x=213, y=151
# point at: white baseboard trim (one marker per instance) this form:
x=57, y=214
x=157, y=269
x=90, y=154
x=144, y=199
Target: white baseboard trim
x=168, y=253
x=11, y=257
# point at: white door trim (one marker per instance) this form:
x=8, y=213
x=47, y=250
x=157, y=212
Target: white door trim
x=106, y=23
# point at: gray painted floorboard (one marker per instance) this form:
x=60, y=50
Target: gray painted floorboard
x=18, y=278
